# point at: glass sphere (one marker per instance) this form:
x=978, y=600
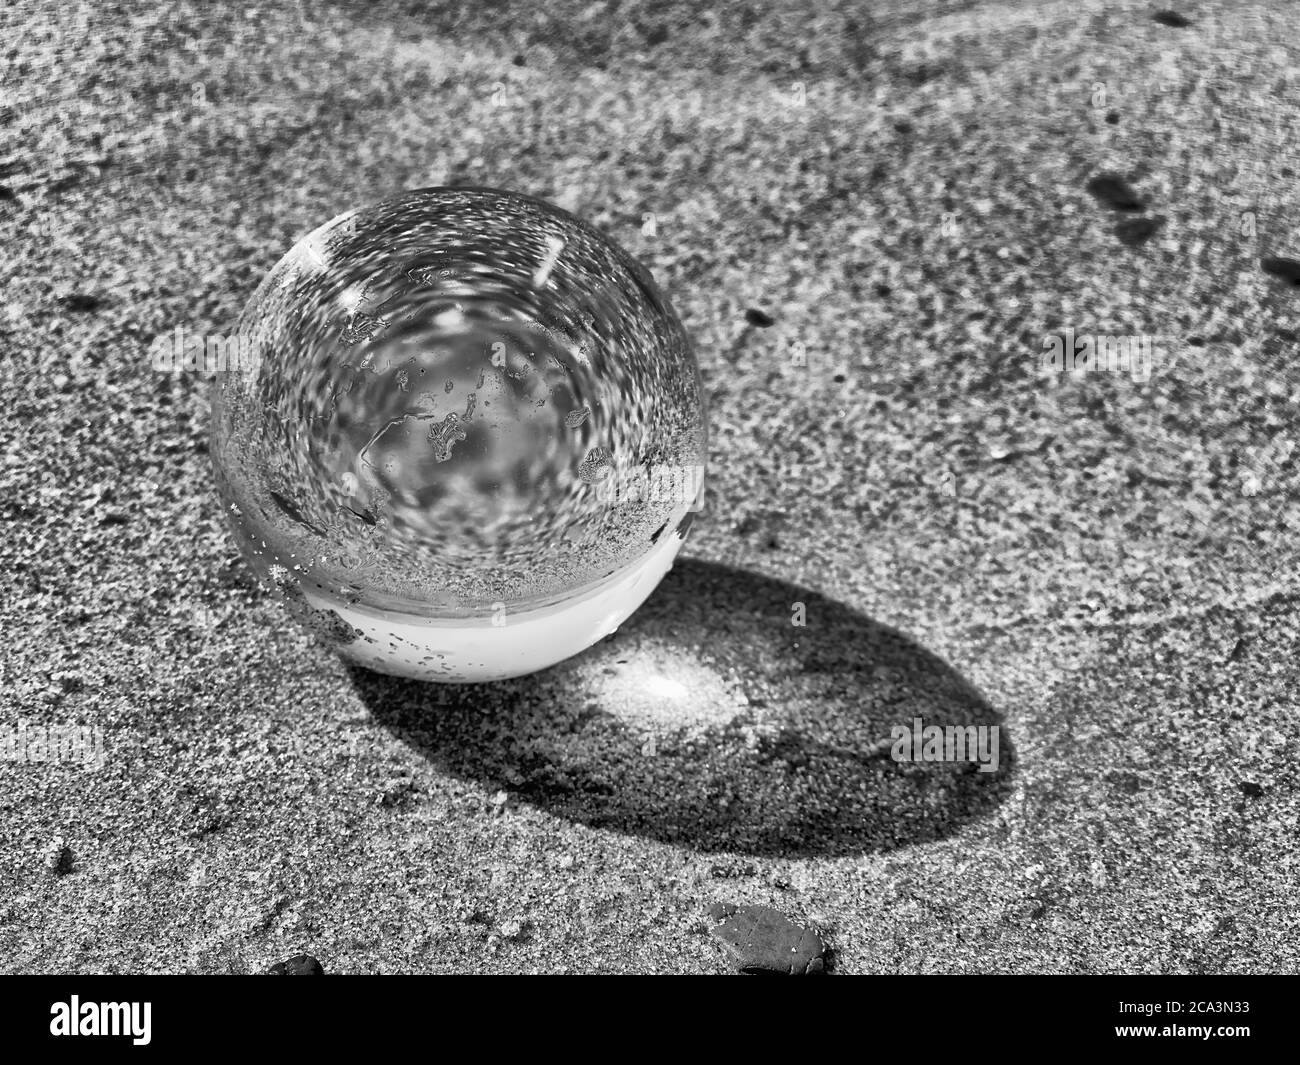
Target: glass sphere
x=463, y=434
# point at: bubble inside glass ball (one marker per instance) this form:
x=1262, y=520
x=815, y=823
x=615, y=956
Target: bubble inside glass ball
x=465, y=436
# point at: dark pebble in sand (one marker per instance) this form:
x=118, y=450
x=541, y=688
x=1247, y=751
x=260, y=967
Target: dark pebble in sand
x=1114, y=192
x=764, y=940
x=1137, y=231
x=727, y=870
x=83, y=301
x=298, y=965
x=1286, y=269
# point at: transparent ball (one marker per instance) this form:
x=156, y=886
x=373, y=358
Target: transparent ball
x=461, y=432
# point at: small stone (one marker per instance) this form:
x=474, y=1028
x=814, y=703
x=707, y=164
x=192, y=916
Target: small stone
x=63, y=858
x=1137, y=231
x=732, y=870
x=1286, y=269
x=1114, y=192
x=1030, y=909
x=398, y=793
x=83, y=301
x=68, y=681
x=298, y=965
x=764, y=940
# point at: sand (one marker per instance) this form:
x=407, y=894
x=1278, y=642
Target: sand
x=1100, y=564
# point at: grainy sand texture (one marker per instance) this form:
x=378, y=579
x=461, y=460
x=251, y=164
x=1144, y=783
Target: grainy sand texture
x=914, y=198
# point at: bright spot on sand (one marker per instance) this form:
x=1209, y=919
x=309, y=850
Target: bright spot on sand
x=661, y=690
x=665, y=687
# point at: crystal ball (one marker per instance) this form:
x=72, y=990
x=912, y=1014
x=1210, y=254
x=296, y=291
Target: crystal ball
x=462, y=434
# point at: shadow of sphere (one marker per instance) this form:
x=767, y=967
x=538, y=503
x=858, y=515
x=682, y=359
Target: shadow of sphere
x=711, y=721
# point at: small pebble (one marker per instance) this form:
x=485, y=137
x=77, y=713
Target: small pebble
x=1137, y=231
x=398, y=793
x=730, y=870
x=1286, y=269
x=63, y=859
x=68, y=681
x=83, y=301
x=1114, y=192
x=298, y=965
x=764, y=940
